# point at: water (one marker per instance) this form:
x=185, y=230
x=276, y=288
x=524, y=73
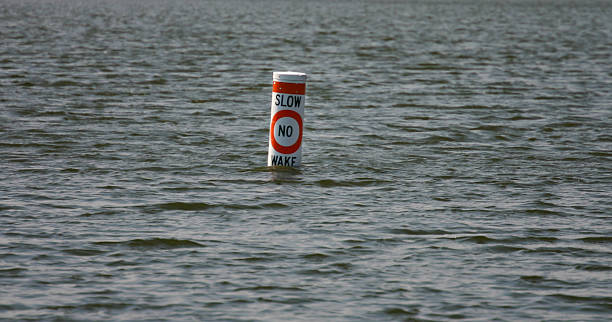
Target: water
x=457, y=161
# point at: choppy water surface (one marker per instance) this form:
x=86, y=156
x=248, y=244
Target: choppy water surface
x=457, y=161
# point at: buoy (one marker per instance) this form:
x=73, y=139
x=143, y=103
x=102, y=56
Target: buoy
x=286, y=122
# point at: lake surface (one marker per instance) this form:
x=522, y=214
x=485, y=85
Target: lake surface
x=457, y=161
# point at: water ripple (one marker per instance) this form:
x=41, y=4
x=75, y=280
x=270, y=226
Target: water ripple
x=456, y=161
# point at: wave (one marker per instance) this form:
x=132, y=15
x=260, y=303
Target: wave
x=153, y=243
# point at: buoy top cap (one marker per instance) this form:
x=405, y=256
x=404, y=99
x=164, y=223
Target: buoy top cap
x=289, y=77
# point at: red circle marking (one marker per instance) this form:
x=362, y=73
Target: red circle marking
x=281, y=148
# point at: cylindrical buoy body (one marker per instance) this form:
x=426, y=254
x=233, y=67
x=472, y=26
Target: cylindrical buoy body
x=287, y=115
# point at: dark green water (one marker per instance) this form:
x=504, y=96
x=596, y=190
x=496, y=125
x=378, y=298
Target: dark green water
x=457, y=161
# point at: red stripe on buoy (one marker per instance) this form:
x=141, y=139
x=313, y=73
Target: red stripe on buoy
x=289, y=88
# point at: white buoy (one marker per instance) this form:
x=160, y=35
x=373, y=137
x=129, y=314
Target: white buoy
x=286, y=123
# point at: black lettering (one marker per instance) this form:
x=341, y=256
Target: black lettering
x=287, y=100
x=287, y=161
x=298, y=100
x=290, y=101
x=285, y=130
x=279, y=161
x=281, y=130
